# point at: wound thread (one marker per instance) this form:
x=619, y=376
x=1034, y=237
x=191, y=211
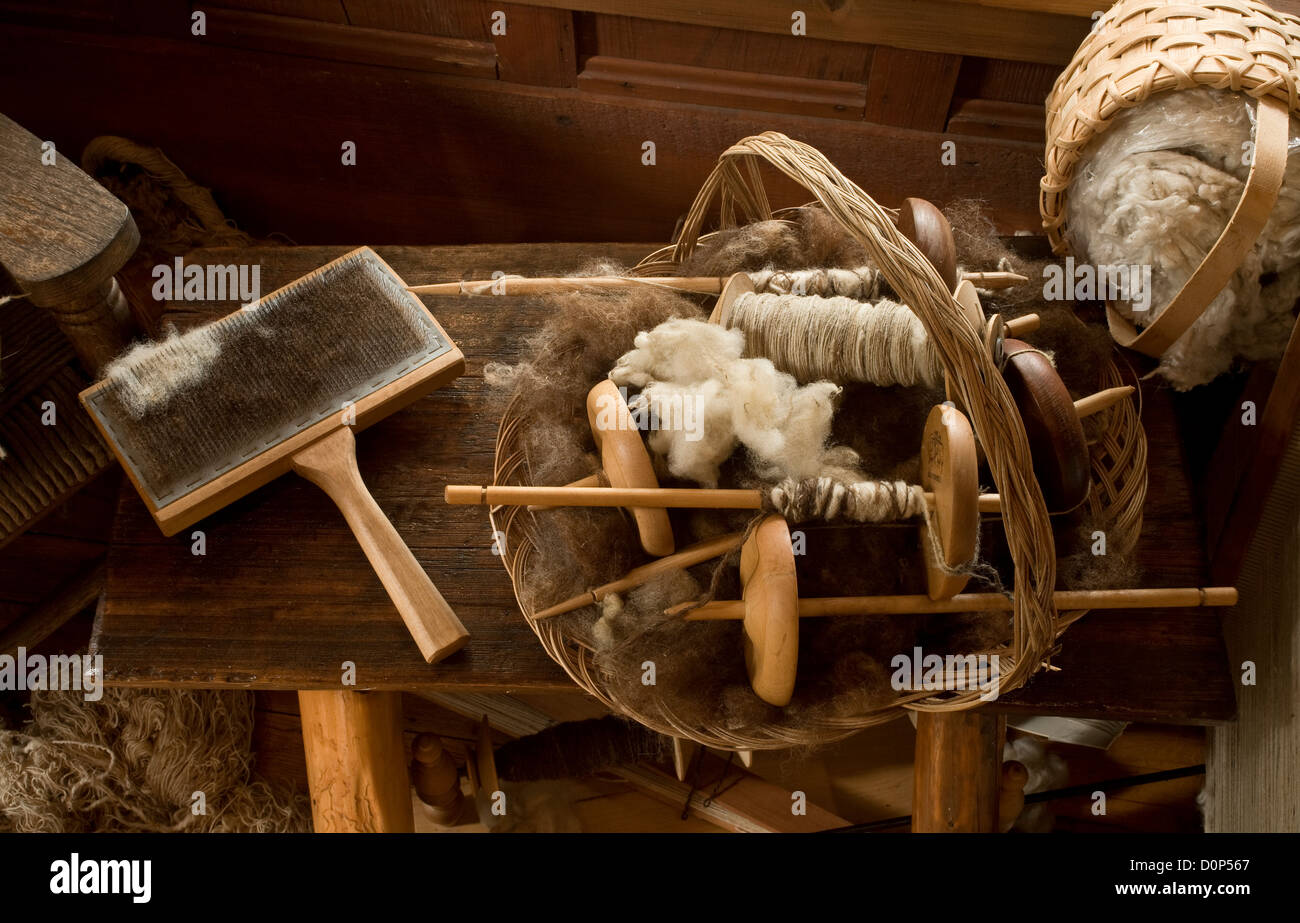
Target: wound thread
x=837, y=339
x=857, y=501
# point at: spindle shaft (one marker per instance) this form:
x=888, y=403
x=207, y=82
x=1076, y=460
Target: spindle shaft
x=683, y=498
x=637, y=576
x=703, y=285
x=821, y=607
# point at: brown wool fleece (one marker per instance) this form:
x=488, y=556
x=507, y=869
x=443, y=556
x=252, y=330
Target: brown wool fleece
x=844, y=663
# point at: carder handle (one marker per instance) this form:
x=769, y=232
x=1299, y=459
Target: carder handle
x=331, y=464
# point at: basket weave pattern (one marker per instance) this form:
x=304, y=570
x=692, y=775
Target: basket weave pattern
x=1143, y=47
x=1118, y=462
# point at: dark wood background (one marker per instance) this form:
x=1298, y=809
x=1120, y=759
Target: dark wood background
x=467, y=137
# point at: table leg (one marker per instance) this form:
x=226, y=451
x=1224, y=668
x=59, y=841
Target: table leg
x=356, y=763
x=956, y=779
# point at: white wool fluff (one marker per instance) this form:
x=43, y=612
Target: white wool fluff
x=1156, y=189
x=149, y=373
x=611, y=607
x=695, y=459
x=732, y=400
x=683, y=351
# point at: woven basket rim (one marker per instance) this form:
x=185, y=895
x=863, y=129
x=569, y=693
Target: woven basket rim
x=976, y=384
x=1141, y=48
x=1115, y=501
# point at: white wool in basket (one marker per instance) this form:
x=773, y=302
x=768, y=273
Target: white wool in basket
x=1156, y=189
x=728, y=400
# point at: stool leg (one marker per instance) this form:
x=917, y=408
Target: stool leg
x=956, y=780
x=356, y=762
x=97, y=324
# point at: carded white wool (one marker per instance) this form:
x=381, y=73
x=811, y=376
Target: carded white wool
x=190, y=408
x=1156, y=189
x=729, y=400
x=150, y=373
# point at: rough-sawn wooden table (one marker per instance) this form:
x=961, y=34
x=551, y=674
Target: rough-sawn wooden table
x=284, y=597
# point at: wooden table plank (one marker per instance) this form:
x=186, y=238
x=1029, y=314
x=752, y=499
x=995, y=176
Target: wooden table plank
x=284, y=596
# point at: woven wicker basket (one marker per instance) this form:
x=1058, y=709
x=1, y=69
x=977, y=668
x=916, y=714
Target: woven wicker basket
x=1140, y=48
x=1118, y=458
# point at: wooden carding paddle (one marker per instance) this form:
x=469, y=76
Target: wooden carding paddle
x=201, y=419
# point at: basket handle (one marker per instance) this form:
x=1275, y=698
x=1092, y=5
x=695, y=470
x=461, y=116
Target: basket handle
x=1273, y=123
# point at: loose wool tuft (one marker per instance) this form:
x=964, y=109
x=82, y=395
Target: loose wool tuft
x=732, y=401
x=132, y=761
x=844, y=663
x=1156, y=190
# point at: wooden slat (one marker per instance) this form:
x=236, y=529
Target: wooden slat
x=1251, y=764
x=46, y=464
x=332, y=42
x=537, y=48
x=724, y=49
x=1007, y=81
x=1167, y=807
x=51, y=614
x=911, y=89
x=467, y=19
x=921, y=25
x=418, y=178
x=1084, y=8
x=742, y=804
x=730, y=89
x=986, y=118
x=34, y=349
x=72, y=14
x=1273, y=427
x=319, y=10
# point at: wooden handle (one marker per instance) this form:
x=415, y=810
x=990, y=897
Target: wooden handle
x=1096, y=403
x=708, y=285
x=994, y=280
x=331, y=464
x=1161, y=598
x=1025, y=323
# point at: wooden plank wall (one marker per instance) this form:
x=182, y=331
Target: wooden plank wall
x=466, y=135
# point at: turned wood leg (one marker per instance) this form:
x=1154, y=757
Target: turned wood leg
x=97, y=324
x=356, y=762
x=956, y=779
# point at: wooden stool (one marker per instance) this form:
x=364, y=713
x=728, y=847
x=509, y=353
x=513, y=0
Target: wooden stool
x=62, y=238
